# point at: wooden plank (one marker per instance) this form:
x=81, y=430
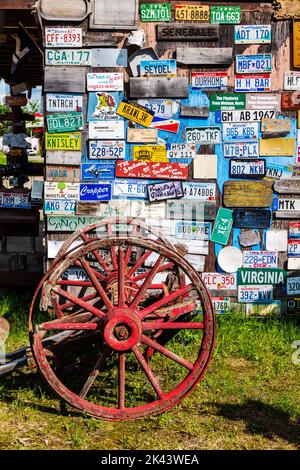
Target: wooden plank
x=194, y=111
x=15, y=100
x=290, y=186
x=290, y=101
x=159, y=87
x=205, y=55
x=248, y=194
x=138, y=136
x=287, y=215
x=187, y=32
x=65, y=79
x=60, y=157
x=63, y=173
x=275, y=127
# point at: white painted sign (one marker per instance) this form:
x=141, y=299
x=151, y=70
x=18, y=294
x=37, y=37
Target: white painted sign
x=216, y=281
x=244, y=116
x=61, y=190
x=81, y=57
x=241, y=150
x=250, y=294
x=63, y=37
x=63, y=103
x=107, y=130
x=105, y=81
x=277, y=240
x=199, y=191
x=293, y=285
x=181, y=150
x=123, y=189
x=260, y=259
x=292, y=81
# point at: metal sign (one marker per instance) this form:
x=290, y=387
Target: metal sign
x=61, y=190
x=114, y=15
x=294, y=229
x=138, y=136
x=154, y=12
x=158, y=68
x=69, y=224
x=205, y=167
x=127, y=189
x=109, y=57
x=225, y=14
x=247, y=168
x=253, y=83
x=276, y=172
x=294, y=247
x=103, y=105
x=193, y=230
x=63, y=37
x=293, y=264
x=262, y=276
x=60, y=207
x=97, y=171
x=63, y=173
x=216, y=281
x=275, y=127
x=293, y=285
x=106, y=149
x=149, y=153
x=286, y=204
x=190, y=210
x=240, y=131
x=221, y=305
x=210, y=80
x=252, y=294
x=181, y=150
x=277, y=147
x=260, y=259
x=51, y=10
x=191, y=32
x=296, y=44
x=241, y=150
x=80, y=57
x=63, y=157
x=243, y=116
x=188, y=12
x=68, y=142
x=265, y=101
x=14, y=200
x=65, y=80
x=107, y=130
x=251, y=218
x=63, y=103
x=261, y=63
x=164, y=191
x=291, y=81
x=105, y=81
x=199, y=191
x=170, y=125
x=227, y=101
x=253, y=34
x=162, y=108
x=136, y=113
x=293, y=306
x=149, y=170
x=203, y=135
x=65, y=122
x=222, y=227
x=95, y=192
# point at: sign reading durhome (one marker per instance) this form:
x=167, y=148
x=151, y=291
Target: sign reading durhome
x=81, y=57
x=63, y=37
x=65, y=122
x=68, y=142
x=225, y=14
x=158, y=68
x=261, y=63
x=63, y=102
x=210, y=80
x=227, y=101
x=252, y=34
x=192, y=12
x=136, y=113
x=223, y=226
x=155, y=12
x=262, y=276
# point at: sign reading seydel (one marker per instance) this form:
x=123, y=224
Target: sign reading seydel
x=136, y=113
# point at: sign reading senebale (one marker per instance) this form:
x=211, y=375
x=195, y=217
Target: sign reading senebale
x=191, y=32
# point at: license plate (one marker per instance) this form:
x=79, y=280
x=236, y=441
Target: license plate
x=221, y=304
x=160, y=107
x=202, y=135
x=285, y=204
x=261, y=63
x=14, y=200
x=149, y=153
x=247, y=168
x=158, y=68
x=181, y=151
x=241, y=150
x=293, y=285
x=75, y=274
x=123, y=189
x=63, y=37
x=97, y=171
x=65, y=122
x=193, y=230
x=68, y=142
x=294, y=248
x=81, y=57
x=110, y=130
x=225, y=14
x=54, y=206
x=215, y=281
x=152, y=12
x=252, y=34
x=276, y=172
x=294, y=229
x=292, y=81
x=199, y=191
x=253, y=83
x=243, y=131
x=192, y=13
x=243, y=116
x=63, y=103
x=164, y=191
x=210, y=80
x=61, y=190
x=260, y=259
x=250, y=294
x=106, y=149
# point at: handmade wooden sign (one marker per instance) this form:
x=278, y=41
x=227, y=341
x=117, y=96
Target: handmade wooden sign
x=193, y=230
x=69, y=223
x=95, y=192
x=292, y=81
x=251, y=218
x=265, y=101
x=63, y=37
x=130, y=189
x=190, y=210
x=138, y=136
x=81, y=57
x=64, y=103
x=243, y=116
x=247, y=168
x=136, y=113
x=12, y=101
x=205, y=167
x=107, y=130
x=253, y=83
x=158, y=68
x=293, y=306
x=65, y=79
x=261, y=293
x=288, y=186
x=59, y=207
x=67, y=142
x=261, y=63
x=241, y=150
x=10, y=199
x=181, y=150
x=210, y=80
x=239, y=132
x=188, y=12
x=296, y=43
x=199, y=191
x=290, y=101
x=275, y=127
x=61, y=190
x=204, y=56
x=263, y=276
x=158, y=87
x=194, y=111
x=222, y=227
x=216, y=281
x=108, y=57
x=63, y=157
x=65, y=122
x=187, y=32
x=252, y=34
x=105, y=81
x=125, y=169
x=149, y=153
x=260, y=259
x=106, y=149
x=227, y=101
x=225, y=14
x=202, y=135
x=155, y=12
x=248, y=194
x=62, y=173
x=277, y=147
x=165, y=191
x=249, y=238
x=293, y=285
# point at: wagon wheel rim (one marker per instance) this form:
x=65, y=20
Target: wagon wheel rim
x=124, y=329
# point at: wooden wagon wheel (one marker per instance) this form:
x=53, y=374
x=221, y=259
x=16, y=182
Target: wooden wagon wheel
x=114, y=380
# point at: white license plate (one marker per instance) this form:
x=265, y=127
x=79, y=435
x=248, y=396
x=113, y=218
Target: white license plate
x=63, y=103
x=252, y=84
x=63, y=37
x=293, y=285
x=181, y=150
x=130, y=189
x=160, y=107
x=261, y=63
x=260, y=259
x=198, y=135
x=199, y=191
x=294, y=248
x=106, y=149
x=193, y=230
x=250, y=294
x=240, y=131
x=247, y=169
x=80, y=57
x=241, y=150
x=221, y=304
x=244, y=116
x=56, y=206
x=252, y=34
x=292, y=81
x=215, y=281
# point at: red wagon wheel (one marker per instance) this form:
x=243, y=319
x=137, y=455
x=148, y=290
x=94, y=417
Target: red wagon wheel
x=113, y=378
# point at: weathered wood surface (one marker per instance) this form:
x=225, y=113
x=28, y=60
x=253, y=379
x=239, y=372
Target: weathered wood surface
x=204, y=56
x=248, y=194
x=296, y=44
x=65, y=79
x=187, y=32
x=249, y=238
x=60, y=157
x=146, y=136
x=275, y=127
x=289, y=186
x=290, y=101
x=194, y=111
x=287, y=215
x=286, y=9
x=69, y=174
x=159, y=87
x=277, y=147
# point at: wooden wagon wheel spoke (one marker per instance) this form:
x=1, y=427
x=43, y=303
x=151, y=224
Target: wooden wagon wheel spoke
x=97, y=255
x=148, y=372
x=166, y=352
x=140, y=262
x=121, y=279
x=95, y=372
x=163, y=268
x=147, y=282
x=121, y=381
x=166, y=300
x=113, y=253
x=87, y=298
x=160, y=325
x=73, y=322
x=96, y=283
x=79, y=302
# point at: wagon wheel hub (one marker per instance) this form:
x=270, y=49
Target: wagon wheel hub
x=123, y=330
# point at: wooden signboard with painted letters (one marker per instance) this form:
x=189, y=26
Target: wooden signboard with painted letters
x=248, y=194
x=194, y=111
x=158, y=87
x=204, y=56
x=187, y=32
x=288, y=186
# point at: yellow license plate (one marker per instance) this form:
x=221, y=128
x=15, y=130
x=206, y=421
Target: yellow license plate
x=192, y=12
x=149, y=153
x=136, y=113
x=69, y=142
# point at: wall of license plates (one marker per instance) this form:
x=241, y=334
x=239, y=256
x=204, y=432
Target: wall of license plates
x=187, y=113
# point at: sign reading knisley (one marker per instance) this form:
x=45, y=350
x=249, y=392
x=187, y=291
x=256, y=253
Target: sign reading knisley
x=222, y=227
x=136, y=113
x=63, y=37
x=187, y=32
x=81, y=57
x=154, y=12
x=65, y=122
x=164, y=191
x=149, y=170
x=68, y=142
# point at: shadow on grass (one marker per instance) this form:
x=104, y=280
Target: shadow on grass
x=263, y=419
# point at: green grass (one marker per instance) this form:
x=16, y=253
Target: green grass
x=2, y=158
x=249, y=398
